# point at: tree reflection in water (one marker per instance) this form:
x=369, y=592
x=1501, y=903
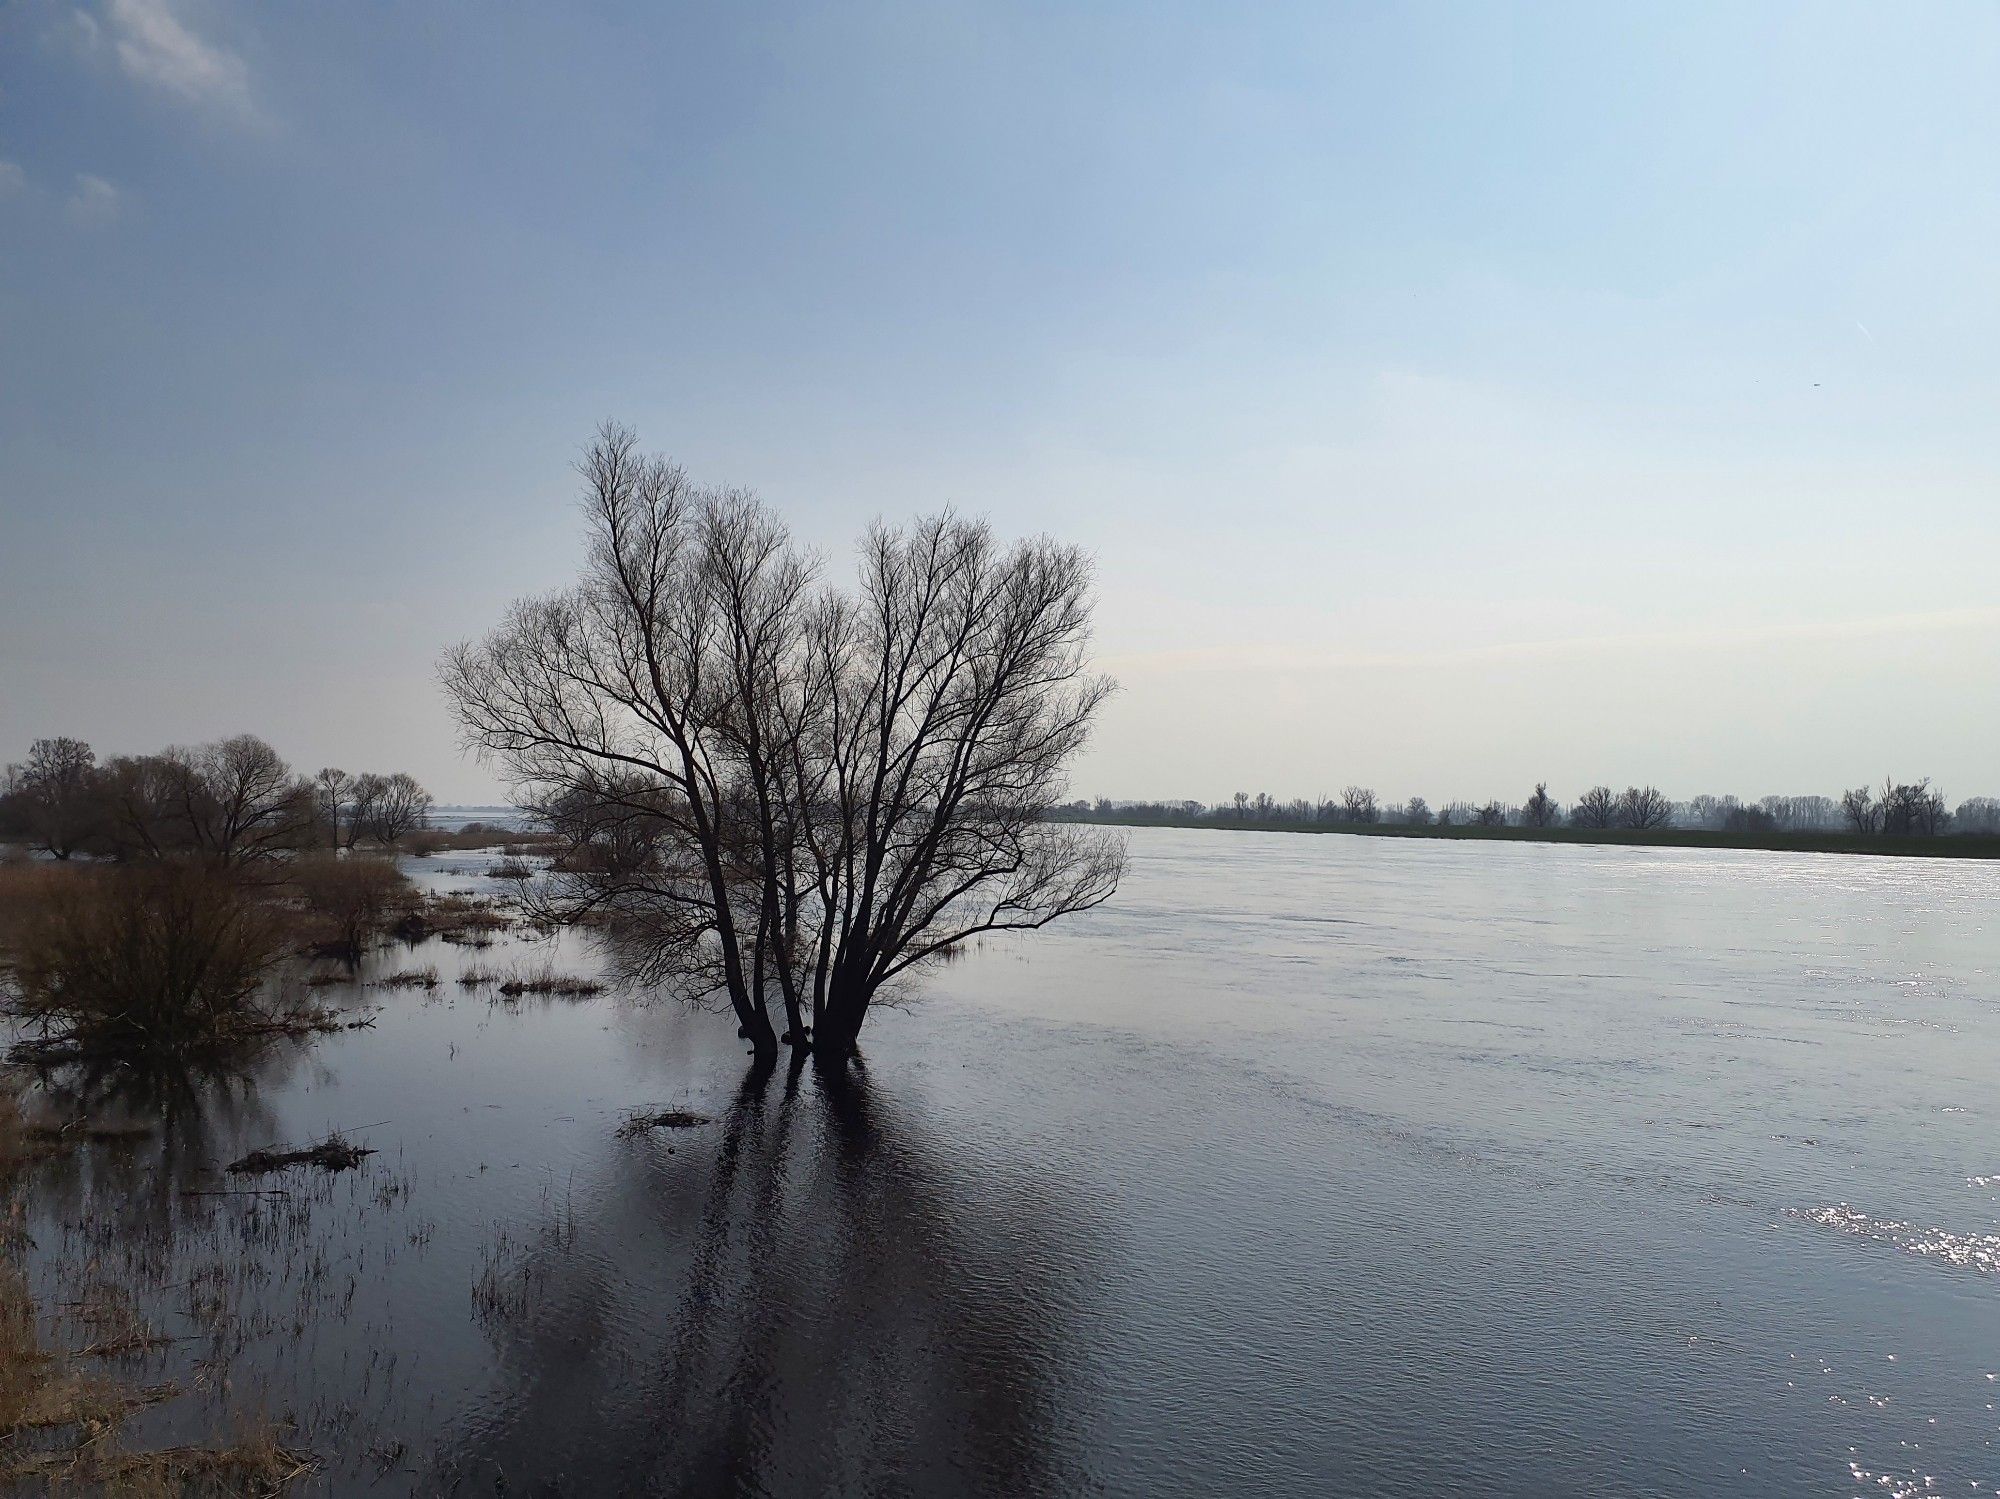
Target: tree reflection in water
x=800, y=1298
x=184, y=1120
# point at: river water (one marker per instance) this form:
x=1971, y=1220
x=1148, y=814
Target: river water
x=1308, y=1165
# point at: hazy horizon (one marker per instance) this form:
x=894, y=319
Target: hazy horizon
x=1454, y=399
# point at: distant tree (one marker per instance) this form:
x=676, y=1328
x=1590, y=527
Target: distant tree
x=1858, y=807
x=1643, y=808
x=331, y=785
x=1749, y=820
x=1541, y=810
x=237, y=800
x=1357, y=804
x=1242, y=803
x=1596, y=808
x=390, y=807
x=1417, y=812
x=1977, y=814
x=1492, y=815
x=1912, y=809
x=55, y=790
x=141, y=797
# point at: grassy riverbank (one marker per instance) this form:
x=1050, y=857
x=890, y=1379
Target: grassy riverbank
x=1943, y=846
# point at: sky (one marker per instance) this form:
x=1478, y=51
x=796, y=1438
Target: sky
x=1453, y=396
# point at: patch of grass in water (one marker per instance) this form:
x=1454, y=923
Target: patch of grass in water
x=640, y=1124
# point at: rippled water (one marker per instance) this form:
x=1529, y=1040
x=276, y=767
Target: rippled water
x=1310, y=1165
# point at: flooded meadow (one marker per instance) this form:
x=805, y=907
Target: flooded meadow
x=1308, y=1164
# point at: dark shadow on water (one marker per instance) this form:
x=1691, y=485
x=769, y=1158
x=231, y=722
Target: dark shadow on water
x=806, y=1296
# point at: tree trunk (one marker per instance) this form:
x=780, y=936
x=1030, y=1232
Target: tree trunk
x=756, y=1029
x=840, y=1021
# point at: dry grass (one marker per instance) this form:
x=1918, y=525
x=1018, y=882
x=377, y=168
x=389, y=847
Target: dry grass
x=455, y=917
x=548, y=981
x=25, y=890
x=410, y=978
x=59, y=1425
x=257, y=1464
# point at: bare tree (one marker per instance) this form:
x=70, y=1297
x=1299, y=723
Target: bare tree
x=1909, y=809
x=1596, y=808
x=141, y=797
x=1357, y=804
x=1417, y=812
x=396, y=806
x=236, y=800
x=1858, y=807
x=771, y=784
x=55, y=789
x=1541, y=810
x=1490, y=815
x=332, y=786
x=1643, y=808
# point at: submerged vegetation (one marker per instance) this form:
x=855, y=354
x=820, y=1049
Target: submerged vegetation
x=334, y=1153
x=60, y=1417
x=641, y=1124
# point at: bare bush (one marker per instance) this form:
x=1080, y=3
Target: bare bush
x=349, y=900
x=161, y=959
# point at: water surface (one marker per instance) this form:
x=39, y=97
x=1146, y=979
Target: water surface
x=1310, y=1164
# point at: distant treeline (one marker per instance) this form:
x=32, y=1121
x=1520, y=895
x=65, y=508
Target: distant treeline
x=231, y=802
x=1896, y=809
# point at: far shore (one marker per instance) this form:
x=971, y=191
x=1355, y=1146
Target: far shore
x=1936, y=846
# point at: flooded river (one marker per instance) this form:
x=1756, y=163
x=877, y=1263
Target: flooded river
x=1309, y=1165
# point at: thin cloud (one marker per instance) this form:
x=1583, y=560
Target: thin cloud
x=154, y=46
x=12, y=178
x=92, y=203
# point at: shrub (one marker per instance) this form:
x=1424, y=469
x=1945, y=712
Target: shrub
x=348, y=901
x=163, y=958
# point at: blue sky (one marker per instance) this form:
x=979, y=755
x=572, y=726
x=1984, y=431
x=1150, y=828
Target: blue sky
x=1454, y=396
